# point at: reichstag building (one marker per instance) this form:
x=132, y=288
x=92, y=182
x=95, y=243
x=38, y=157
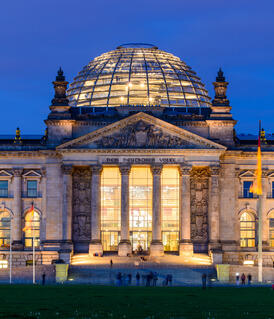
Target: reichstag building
x=135, y=157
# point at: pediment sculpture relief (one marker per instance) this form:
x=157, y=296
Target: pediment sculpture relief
x=141, y=134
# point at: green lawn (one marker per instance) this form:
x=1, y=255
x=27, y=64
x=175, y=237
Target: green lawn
x=83, y=301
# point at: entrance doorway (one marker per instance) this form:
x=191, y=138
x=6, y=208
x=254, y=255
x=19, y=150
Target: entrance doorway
x=141, y=238
x=110, y=240
x=171, y=241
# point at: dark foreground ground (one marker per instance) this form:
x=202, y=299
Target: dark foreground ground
x=75, y=301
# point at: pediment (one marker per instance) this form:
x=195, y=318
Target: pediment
x=246, y=174
x=32, y=173
x=141, y=131
x=4, y=173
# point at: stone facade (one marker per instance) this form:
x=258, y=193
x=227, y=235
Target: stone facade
x=213, y=164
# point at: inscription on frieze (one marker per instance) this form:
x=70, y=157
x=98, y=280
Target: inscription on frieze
x=142, y=160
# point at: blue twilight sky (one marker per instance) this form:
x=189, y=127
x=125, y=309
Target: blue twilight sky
x=37, y=36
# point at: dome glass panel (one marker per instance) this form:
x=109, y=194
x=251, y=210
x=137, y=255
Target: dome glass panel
x=137, y=74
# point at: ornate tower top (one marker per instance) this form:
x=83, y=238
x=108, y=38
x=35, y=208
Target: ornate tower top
x=60, y=87
x=220, y=87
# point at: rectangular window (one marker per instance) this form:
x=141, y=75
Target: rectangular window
x=4, y=187
x=32, y=188
x=246, y=192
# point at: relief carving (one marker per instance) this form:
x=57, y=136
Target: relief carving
x=81, y=204
x=199, y=203
x=143, y=135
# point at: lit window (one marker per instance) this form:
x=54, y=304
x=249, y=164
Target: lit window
x=170, y=208
x=271, y=229
x=5, y=221
x=32, y=229
x=247, y=230
x=110, y=207
x=246, y=192
x=32, y=188
x=4, y=188
x=140, y=206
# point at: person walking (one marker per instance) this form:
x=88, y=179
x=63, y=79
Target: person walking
x=119, y=279
x=237, y=279
x=129, y=278
x=204, y=281
x=43, y=279
x=249, y=279
x=155, y=278
x=137, y=279
x=111, y=263
x=243, y=279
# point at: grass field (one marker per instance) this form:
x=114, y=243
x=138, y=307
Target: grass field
x=75, y=301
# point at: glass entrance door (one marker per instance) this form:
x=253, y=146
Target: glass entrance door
x=140, y=238
x=110, y=240
x=171, y=241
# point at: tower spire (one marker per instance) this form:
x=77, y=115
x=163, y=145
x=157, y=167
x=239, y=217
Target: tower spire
x=60, y=87
x=220, y=87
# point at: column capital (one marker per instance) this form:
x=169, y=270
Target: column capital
x=96, y=169
x=184, y=170
x=17, y=172
x=67, y=169
x=156, y=169
x=44, y=172
x=214, y=170
x=125, y=169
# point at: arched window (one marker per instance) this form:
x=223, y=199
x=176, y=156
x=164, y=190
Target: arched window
x=247, y=230
x=271, y=229
x=5, y=223
x=32, y=229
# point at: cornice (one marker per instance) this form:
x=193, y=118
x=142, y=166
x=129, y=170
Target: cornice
x=60, y=122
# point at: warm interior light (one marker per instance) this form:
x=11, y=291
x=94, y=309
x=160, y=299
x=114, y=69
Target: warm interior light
x=249, y=262
x=3, y=264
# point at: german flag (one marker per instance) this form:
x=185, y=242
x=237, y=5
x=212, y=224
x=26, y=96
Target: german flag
x=28, y=223
x=256, y=187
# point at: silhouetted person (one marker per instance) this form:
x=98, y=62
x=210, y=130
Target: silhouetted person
x=243, y=279
x=249, y=279
x=137, y=279
x=43, y=279
x=111, y=263
x=204, y=281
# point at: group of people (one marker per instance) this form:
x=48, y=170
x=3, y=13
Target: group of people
x=148, y=280
x=243, y=279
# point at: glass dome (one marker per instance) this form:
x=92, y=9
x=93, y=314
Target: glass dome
x=137, y=74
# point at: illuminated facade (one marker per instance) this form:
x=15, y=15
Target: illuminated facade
x=136, y=159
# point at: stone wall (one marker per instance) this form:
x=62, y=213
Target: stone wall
x=20, y=258
x=268, y=273
x=237, y=258
x=24, y=274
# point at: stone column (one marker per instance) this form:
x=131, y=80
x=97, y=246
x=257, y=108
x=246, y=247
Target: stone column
x=156, y=246
x=124, y=247
x=214, y=210
x=95, y=245
x=185, y=244
x=17, y=243
x=67, y=209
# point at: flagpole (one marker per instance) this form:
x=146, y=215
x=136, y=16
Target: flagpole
x=10, y=250
x=33, y=248
x=259, y=209
x=260, y=245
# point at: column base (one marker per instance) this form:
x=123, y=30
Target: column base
x=124, y=248
x=214, y=245
x=17, y=245
x=186, y=249
x=95, y=248
x=156, y=248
